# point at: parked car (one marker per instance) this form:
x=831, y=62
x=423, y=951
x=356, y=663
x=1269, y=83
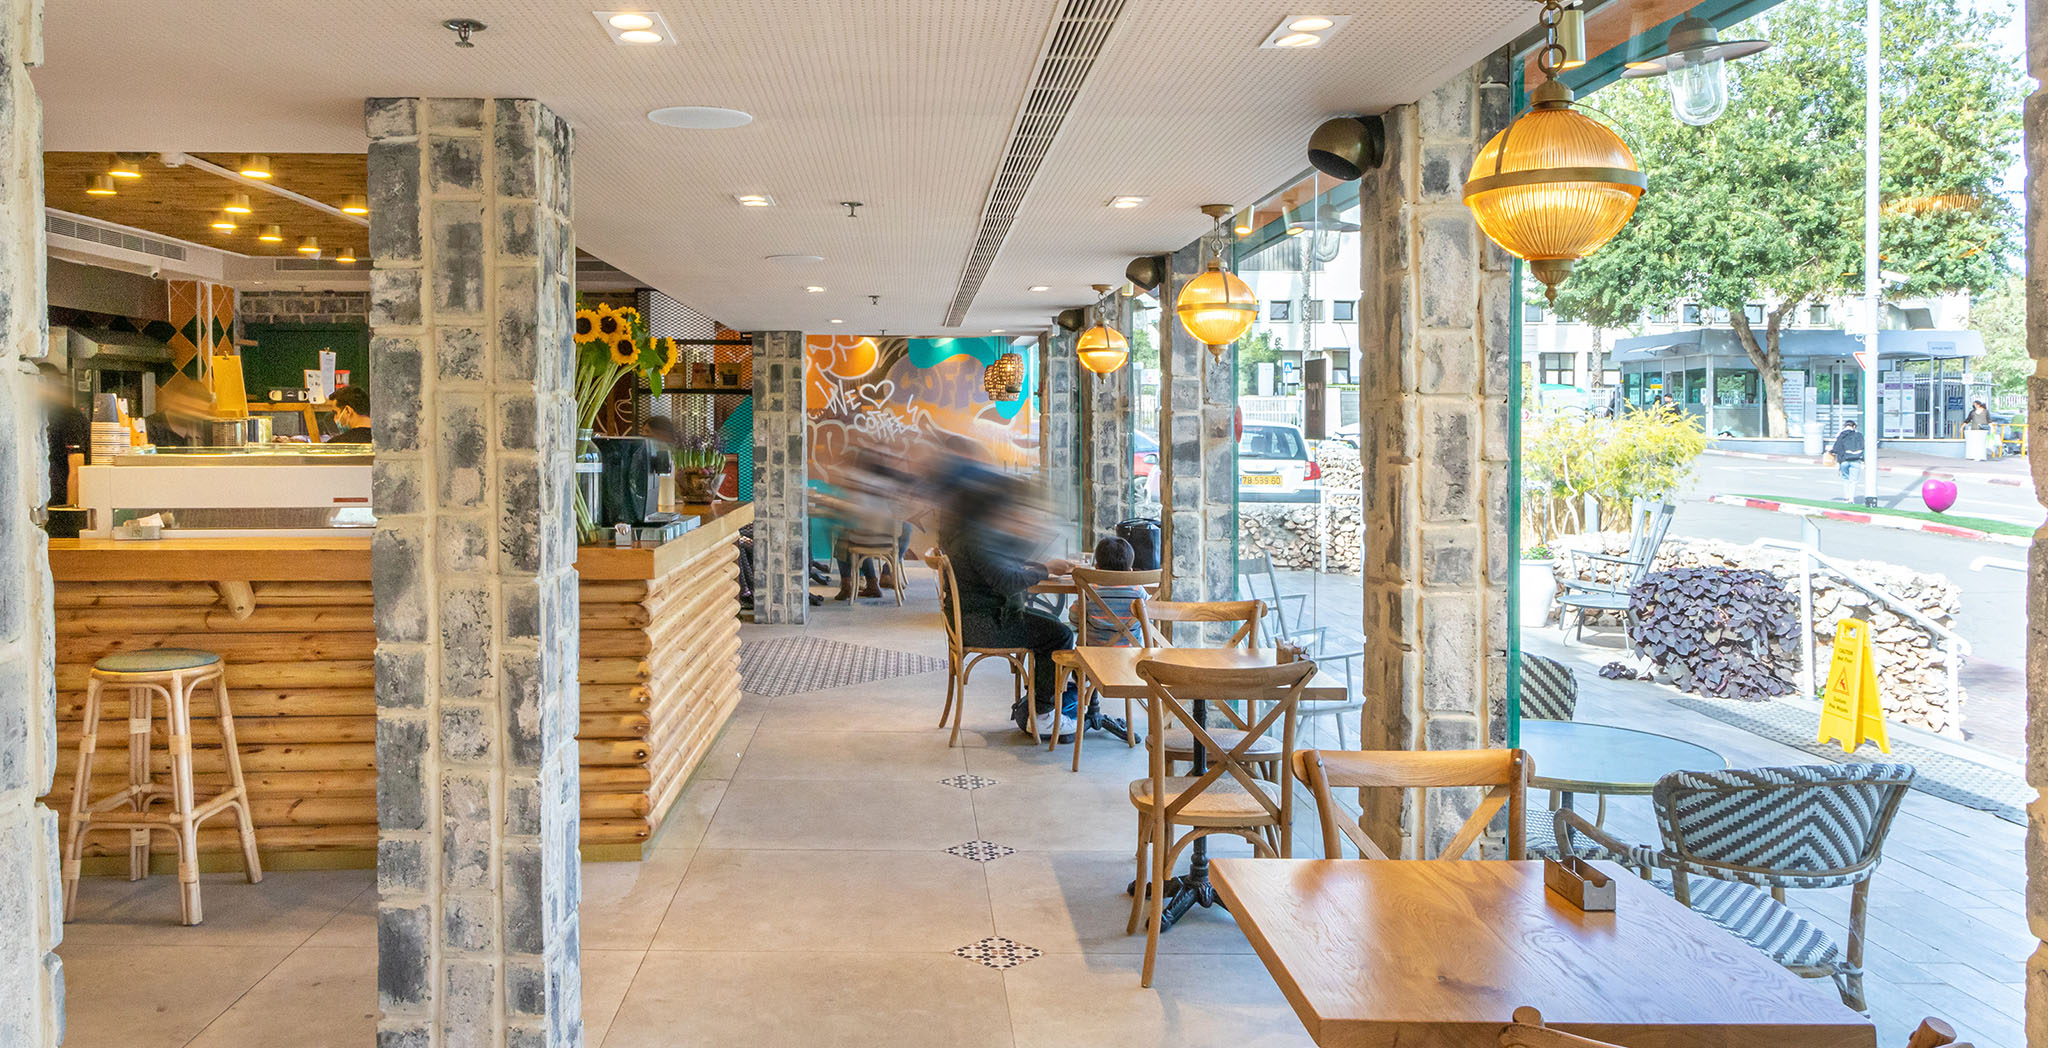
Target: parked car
x=1273, y=465
x=1144, y=454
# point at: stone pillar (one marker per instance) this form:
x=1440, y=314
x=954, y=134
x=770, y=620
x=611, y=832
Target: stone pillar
x=1433, y=394
x=782, y=516
x=1197, y=445
x=1106, y=410
x=2036, y=151
x=31, y=977
x=471, y=378
x=1059, y=413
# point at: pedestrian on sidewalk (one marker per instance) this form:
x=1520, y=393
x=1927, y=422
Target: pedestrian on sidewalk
x=1979, y=416
x=1848, y=455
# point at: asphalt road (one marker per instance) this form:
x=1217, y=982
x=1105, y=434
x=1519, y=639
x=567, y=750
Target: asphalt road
x=1993, y=616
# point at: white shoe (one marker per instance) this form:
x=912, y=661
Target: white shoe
x=1046, y=724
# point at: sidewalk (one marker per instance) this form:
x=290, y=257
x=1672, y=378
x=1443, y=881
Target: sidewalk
x=2011, y=471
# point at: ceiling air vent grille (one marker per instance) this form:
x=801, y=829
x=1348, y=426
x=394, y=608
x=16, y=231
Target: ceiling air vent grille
x=1071, y=48
x=92, y=232
x=314, y=265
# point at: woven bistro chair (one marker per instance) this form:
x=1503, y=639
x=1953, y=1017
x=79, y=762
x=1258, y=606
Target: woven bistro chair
x=1735, y=840
x=1228, y=798
x=1155, y=614
x=1089, y=581
x=1549, y=692
x=961, y=659
x=1506, y=771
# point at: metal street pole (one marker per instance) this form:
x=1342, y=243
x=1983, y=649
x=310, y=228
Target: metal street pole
x=1871, y=287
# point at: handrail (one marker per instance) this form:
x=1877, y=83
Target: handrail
x=1953, y=645
x=1872, y=589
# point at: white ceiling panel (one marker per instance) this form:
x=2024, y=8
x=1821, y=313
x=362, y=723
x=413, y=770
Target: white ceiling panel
x=904, y=105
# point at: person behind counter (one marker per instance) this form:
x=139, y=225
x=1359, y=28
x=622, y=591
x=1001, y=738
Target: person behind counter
x=69, y=435
x=352, y=414
x=182, y=404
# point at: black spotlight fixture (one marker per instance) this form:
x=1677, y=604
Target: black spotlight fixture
x=1145, y=272
x=1348, y=146
x=1072, y=319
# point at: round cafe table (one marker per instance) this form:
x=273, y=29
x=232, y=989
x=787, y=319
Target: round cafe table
x=1576, y=757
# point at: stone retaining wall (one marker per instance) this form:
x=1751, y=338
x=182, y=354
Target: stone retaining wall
x=1290, y=532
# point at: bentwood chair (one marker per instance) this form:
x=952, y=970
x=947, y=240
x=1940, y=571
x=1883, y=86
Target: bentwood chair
x=864, y=546
x=1506, y=771
x=1228, y=798
x=961, y=659
x=1734, y=840
x=1093, y=606
x=1550, y=691
x=1155, y=614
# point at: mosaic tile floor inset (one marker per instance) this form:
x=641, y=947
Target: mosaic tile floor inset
x=787, y=665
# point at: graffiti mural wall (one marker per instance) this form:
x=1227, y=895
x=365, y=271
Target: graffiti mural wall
x=892, y=393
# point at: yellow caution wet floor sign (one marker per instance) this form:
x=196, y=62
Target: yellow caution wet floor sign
x=1850, y=709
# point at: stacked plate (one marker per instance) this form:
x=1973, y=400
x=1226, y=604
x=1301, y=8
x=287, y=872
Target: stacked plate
x=109, y=439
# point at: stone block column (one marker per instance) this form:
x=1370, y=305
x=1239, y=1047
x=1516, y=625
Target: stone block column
x=782, y=517
x=1059, y=417
x=1197, y=445
x=2036, y=151
x=31, y=976
x=471, y=382
x=1433, y=394
x=1106, y=452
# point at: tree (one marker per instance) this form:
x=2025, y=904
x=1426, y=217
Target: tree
x=1766, y=203
x=1262, y=347
x=2001, y=317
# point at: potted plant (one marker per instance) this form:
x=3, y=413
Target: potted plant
x=1536, y=584
x=698, y=464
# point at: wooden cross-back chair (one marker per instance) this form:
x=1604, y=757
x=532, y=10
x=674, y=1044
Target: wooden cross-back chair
x=1506, y=771
x=1247, y=614
x=961, y=659
x=1090, y=582
x=1228, y=798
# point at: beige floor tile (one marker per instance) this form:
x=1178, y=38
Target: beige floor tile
x=316, y=998
x=132, y=996
x=1074, y=902
x=284, y=909
x=726, y=750
x=907, y=704
x=843, y=815
x=1011, y=755
x=916, y=756
x=805, y=1000
x=1196, y=1001
x=623, y=902
x=691, y=815
x=1053, y=812
x=882, y=901
x=355, y=926
x=607, y=975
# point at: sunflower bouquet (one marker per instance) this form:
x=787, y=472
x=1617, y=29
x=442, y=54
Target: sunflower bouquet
x=611, y=345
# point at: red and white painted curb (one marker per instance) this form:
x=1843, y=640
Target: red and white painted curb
x=1878, y=519
x=2014, y=482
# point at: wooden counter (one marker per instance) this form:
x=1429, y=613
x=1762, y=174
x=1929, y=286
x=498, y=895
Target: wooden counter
x=659, y=676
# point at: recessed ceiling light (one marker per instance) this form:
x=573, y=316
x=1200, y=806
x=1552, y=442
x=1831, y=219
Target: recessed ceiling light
x=256, y=165
x=236, y=204
x=635, y=27
x=1041, y=287
x=793, y=260
x=995, y=331
x=100, y=185
x=1127, y=201
x=355, y=204
x=1296, y=32
x=836, y=320
x=753, y=200
x=271, y=234
x=700, y=118
x=814, y=288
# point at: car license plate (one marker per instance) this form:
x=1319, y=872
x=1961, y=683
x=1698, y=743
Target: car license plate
x=1252, y=480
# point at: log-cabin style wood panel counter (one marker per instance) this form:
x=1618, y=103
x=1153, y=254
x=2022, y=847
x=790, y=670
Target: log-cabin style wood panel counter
x=659, y=675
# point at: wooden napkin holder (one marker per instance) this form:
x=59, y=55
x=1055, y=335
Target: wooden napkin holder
x=1580, y=884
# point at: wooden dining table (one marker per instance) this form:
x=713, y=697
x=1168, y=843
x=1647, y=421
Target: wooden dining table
x=1439, y=954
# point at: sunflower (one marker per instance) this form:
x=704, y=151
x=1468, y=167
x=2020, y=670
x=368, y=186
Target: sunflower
x=586, y=324
x=627, y=315
x=668, y=355
x=625, y=351
x=609, y=323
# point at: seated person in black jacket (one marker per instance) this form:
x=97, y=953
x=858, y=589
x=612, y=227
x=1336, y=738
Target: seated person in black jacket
x=984, y=536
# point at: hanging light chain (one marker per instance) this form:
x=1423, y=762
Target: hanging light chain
x=1552, y=57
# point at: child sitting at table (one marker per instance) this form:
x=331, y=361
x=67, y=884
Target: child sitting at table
x=1112, y=554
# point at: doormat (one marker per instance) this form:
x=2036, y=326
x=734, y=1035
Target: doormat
x=1938, y=772
x=787, y=665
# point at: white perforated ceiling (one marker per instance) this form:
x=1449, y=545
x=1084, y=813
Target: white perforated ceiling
x=905, y=105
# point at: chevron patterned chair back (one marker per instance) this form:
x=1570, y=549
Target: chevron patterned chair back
x=1728, y=834
x=1549, y=691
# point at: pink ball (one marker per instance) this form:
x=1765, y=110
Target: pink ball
x=1938, y=494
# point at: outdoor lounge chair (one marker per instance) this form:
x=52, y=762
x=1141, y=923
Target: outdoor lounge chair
x=1262, y=583
x=1827, y=823
x=1583, y=594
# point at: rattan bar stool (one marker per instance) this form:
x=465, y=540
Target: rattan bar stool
x=172, y=674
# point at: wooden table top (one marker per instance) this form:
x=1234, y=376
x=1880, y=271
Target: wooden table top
x=1601, y=758
x=1115, y=670
x=1430, y=954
